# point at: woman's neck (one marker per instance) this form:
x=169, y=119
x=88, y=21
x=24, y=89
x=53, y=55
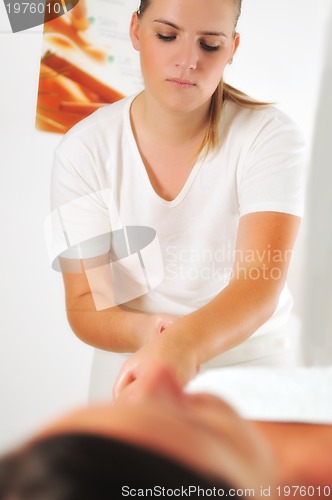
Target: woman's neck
x=166, y=125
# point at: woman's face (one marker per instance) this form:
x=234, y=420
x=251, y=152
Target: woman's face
x=199, y=430
x=184, y=47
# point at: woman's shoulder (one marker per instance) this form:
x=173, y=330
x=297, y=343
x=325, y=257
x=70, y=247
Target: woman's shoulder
x=257, y=117
x=262, y=122
x=99, y=124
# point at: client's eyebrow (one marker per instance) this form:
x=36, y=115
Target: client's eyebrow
x=175, y=26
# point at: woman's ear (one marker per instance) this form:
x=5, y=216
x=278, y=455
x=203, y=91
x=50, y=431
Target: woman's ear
x=134, y=30
x=236, y=43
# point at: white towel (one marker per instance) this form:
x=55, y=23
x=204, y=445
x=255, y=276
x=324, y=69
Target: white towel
x=287, y=395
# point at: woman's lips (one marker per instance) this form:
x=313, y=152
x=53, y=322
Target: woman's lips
x=184, y=84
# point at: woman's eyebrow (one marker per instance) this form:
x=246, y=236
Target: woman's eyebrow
x=175, y=26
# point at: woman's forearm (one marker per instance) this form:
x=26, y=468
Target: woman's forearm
x=115, y=329
x=229, y=319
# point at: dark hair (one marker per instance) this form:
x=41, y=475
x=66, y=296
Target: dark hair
x=89, y=467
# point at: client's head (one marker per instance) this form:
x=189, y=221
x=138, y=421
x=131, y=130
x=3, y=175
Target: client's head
x=153, y=436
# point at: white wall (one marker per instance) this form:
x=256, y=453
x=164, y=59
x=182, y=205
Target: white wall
x=43, y=367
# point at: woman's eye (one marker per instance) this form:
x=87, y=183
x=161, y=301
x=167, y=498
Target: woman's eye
x=166, y=38
x=209, y=48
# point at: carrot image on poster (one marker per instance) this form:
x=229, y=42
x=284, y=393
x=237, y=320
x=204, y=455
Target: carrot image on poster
x=87, y=62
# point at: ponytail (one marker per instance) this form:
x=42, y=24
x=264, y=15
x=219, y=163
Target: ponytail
x=224, y=92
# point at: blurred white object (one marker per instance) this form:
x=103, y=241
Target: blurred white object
x=318, y=298
x=287, y=395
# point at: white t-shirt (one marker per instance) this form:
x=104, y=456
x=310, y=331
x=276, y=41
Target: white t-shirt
x=177, y=255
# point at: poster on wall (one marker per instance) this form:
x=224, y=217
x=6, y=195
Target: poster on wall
x=87, y=61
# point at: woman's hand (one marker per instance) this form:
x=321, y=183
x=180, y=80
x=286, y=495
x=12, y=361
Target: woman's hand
x=165, y=349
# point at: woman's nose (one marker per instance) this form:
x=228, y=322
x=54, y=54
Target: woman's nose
x=187, y=57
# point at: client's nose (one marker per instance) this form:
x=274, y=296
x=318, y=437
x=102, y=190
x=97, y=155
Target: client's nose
x=158, y=382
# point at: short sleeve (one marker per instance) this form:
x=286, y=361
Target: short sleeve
x=272, y=176
x=83, y=212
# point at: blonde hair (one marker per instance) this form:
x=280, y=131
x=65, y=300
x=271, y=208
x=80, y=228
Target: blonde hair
x=224, y=92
